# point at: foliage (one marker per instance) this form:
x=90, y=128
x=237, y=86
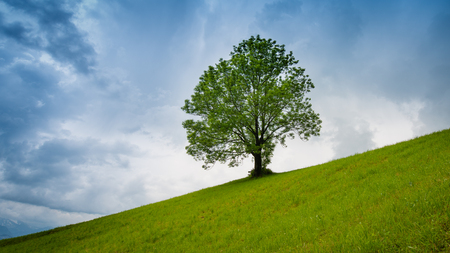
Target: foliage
x=248, y=104
x=394, y=199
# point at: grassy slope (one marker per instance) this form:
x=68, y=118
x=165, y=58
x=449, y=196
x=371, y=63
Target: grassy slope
x=396, y=198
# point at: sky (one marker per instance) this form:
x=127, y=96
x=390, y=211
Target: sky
x=91, y=90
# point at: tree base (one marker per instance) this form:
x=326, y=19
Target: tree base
x=264, y=172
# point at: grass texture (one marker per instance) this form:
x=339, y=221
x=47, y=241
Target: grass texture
x=393, y=199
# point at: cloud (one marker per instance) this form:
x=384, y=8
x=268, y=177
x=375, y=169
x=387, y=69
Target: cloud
x=40, y=216
x=47, y=174
x=54, y=32
x=29, y=98
x=435, y=53
x=18, y=32
x=42, y=54
x=352, y=138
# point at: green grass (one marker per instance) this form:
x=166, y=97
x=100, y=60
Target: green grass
x=393, y=199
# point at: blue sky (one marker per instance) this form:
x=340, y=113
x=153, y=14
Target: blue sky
x=90, y=91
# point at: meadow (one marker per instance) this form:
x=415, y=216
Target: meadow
x=393, y=199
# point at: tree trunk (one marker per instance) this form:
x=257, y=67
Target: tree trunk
x=258, y=164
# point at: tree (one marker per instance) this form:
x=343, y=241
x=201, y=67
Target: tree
x=248, y=104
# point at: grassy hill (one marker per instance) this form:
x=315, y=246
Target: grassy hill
x=396, y=198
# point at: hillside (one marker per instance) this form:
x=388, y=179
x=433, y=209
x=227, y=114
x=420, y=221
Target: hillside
x=396, y=198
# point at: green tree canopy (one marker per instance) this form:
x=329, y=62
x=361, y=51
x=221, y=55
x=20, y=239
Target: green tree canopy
x=248, y=104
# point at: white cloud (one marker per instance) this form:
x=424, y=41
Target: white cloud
x=40, y=216
x=359, y=122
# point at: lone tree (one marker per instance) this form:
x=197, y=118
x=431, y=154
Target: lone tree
x=248, y=104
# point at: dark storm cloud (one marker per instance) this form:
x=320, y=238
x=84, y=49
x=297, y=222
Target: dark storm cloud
x=410, y=49
x=40, y=163
x=30, y=98
x=18, y=32
x=435, y=52
x=56, y=33
x=435, y=66
x=38, y=170
x=30, y=95
x=42, y=171
x=22, y=89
